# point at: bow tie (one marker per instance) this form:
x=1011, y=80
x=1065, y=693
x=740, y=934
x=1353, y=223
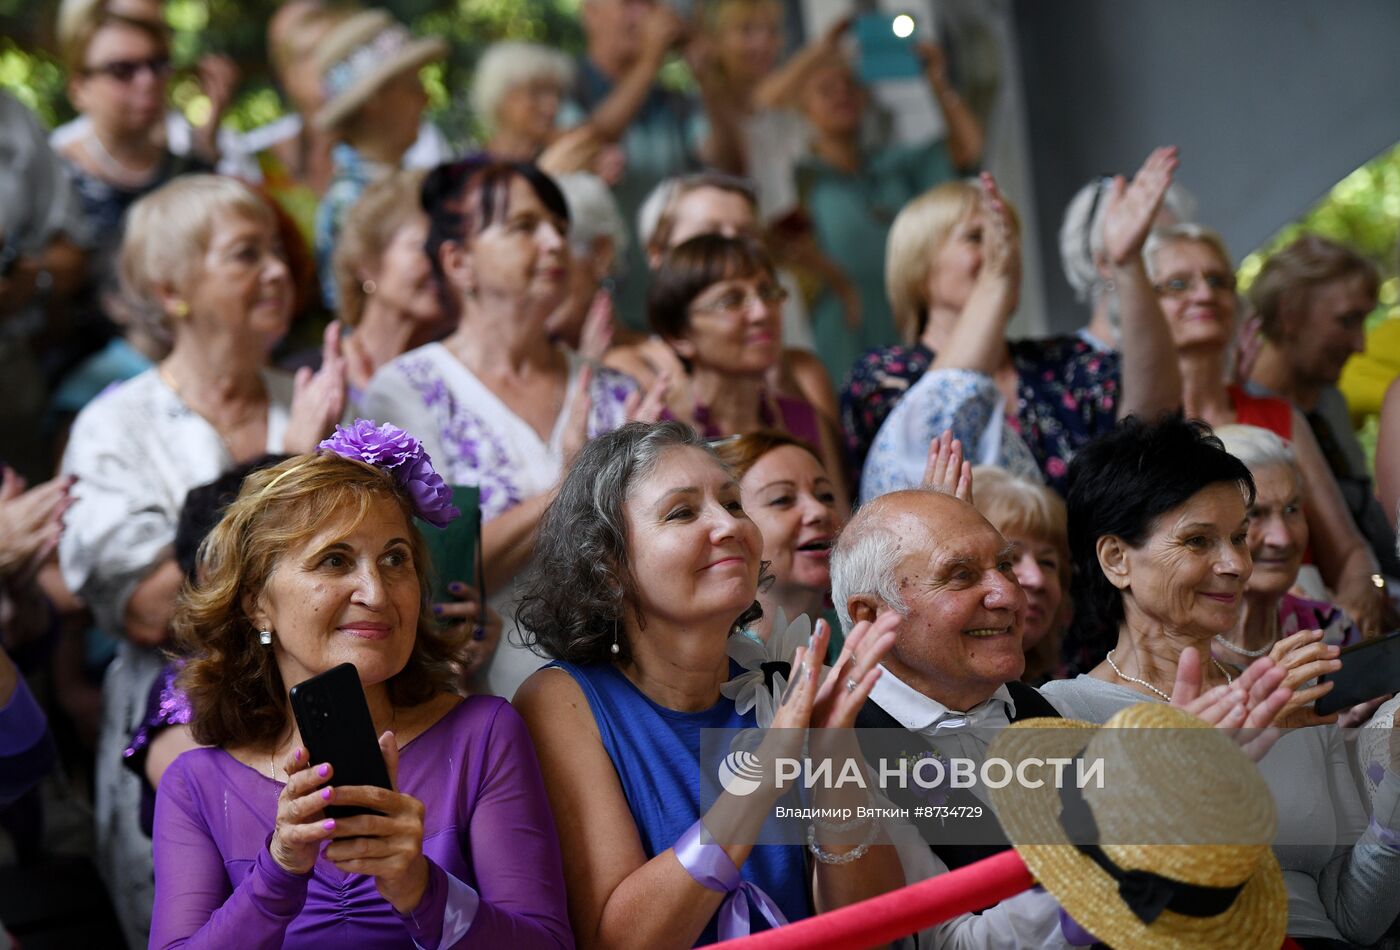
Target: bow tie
x=990, y=714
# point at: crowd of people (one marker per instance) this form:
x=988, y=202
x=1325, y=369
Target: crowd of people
x=728, y=377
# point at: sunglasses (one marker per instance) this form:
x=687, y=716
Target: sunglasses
x=125, y=70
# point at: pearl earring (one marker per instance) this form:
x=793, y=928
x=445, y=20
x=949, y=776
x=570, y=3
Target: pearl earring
x=265, y=637
x=369, y=287
x=615, y=648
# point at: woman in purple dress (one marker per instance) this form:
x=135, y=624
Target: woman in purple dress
x=316, y=564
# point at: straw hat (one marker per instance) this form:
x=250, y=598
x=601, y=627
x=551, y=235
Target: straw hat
x=1186, y=806
x=360, y=55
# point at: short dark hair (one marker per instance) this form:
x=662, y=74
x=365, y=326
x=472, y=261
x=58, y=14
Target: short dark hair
x=1120, y=484
x=465, y=197
x=691, y=267
x=580, y=580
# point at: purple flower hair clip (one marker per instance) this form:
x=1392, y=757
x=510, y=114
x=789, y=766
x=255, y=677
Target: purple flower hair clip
x=402, y=456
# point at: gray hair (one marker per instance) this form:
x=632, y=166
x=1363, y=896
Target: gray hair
x=1081, y=239
x=581, y=578
x=864, y=561
x=1185, y=231
x=660, y=205
x=1258, y=448
x=593, y=213
x=511, y=63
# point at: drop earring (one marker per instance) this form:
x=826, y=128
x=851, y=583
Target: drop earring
x=265, y=637
x=615, y=648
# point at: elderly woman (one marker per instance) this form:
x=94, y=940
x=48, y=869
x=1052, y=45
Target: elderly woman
x=202, y=254
x=1159, y=533
x=496, y=403
x=317, y=564
x=515, y=94
x=710, y=202
x=852, y=195
x=716, y=302
x=1190, y=270
x=597, y=242
x=1032, y=518
x=1278, y=539
x=650, y=539
x=388, y=297
x=787, y=492
x=1312, y=299
x=953, y=271
x=373, y=103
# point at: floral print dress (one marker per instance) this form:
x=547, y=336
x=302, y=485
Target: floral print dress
x=1067, y=394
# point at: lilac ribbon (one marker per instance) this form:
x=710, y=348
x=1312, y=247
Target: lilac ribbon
x=1389, y=838
x=706, y=862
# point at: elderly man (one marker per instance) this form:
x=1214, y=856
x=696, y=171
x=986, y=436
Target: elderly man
x=952, y=677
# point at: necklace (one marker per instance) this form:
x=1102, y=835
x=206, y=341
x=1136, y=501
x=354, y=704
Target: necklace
x=1273, y=629
x=247, y=416
x=1133, y=679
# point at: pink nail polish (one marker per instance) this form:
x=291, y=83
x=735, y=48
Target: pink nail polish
x=323, y=770
x=326, y=794
x=328, y=824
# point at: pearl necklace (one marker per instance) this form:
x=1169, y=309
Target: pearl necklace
x=1133, y=679
x=1253, y=654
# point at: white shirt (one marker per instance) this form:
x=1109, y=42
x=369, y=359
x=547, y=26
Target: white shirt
x=1030, y=919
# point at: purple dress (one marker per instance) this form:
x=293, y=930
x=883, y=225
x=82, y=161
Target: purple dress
x=495, y=877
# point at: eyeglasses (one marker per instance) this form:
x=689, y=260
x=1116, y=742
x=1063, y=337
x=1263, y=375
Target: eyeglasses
x=732, y=301
x=1214, y=282
x=125, y=70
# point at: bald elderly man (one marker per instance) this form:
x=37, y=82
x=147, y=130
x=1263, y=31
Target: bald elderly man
x=952, y=679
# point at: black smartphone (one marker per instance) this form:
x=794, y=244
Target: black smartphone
x=1368, y=670
x=336, y=727
x=456, y=549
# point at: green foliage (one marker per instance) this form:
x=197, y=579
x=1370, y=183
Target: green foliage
x=29, y=65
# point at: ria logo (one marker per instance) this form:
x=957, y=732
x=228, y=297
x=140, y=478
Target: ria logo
x=740, y=773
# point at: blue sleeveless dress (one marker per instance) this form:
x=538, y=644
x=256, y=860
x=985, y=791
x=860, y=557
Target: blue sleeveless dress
x=656, y=752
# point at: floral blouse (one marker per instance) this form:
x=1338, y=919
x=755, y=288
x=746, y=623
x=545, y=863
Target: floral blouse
x=1068, y=394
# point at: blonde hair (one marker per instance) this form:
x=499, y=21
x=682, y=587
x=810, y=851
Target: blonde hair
x=511, y=63
x=79, y=21
x=1018, y=506
x=167, y=233
x=233, y=683
x=370, y=224
x=919, y=230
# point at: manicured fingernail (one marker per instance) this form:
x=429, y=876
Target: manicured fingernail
x=457, y=587
x=437, y=608
x=328, y=824
x=296, y=755
x=323, y=770
x=326, y=794
x=478, y=633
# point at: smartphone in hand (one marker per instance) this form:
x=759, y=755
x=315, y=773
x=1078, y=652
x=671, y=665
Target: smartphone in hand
x=455, y=551
x=1369, y=669
x=336, y=727
x=886, y=47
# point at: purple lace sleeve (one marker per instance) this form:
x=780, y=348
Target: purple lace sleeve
x=167, y=705
x=195, y=907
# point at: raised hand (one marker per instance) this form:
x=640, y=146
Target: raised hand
x=580, y=406
x=301, y=819
x=466, y=609
x=318, y=399
x=649, y=407
x=387, y=847
x=946, y=470
x=1131, y=209
x=598, y=328
x=572, y=151
x=846, y=687
x=662, y=29
x=30, y=521
x=1001, y=248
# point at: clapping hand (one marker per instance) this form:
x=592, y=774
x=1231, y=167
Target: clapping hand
x=1305, y=657
x=580, y=406
x=1131, y=209
x=648, y=407
x=1245, y=709
x=30, y=522
x=598, y=328
x=318, y=399
x=946, y=471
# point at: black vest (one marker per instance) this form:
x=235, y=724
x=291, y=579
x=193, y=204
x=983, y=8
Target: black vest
x=964, y=840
